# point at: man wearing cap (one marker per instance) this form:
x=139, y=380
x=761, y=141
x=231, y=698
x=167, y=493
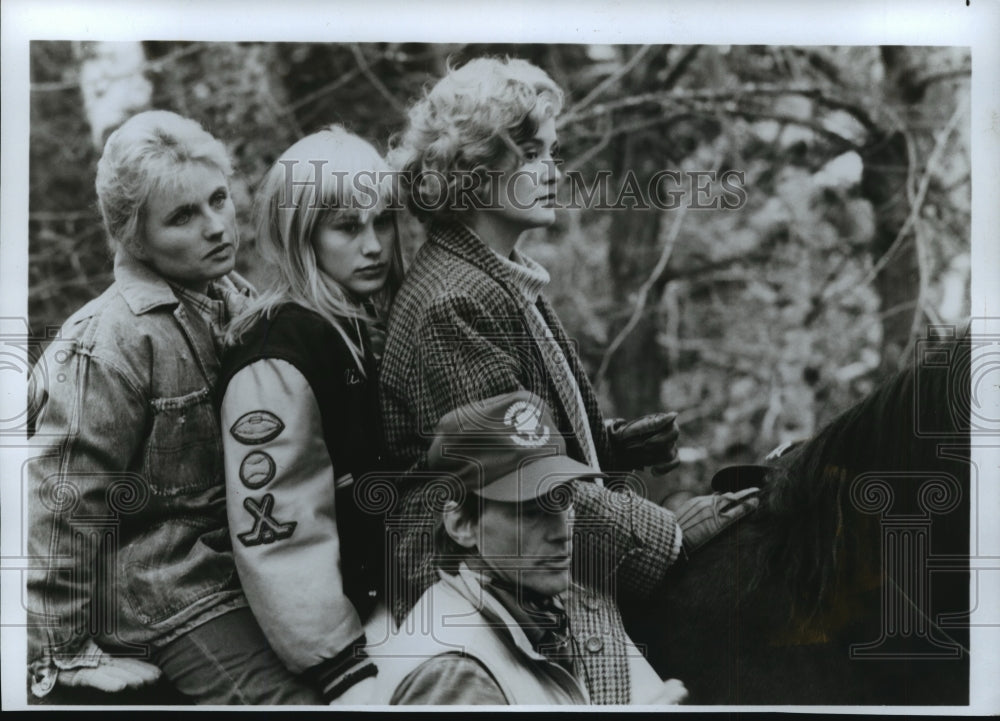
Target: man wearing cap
x=494, y=629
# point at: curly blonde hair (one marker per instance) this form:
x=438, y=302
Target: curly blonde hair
x=144, y=155
x=470, y=123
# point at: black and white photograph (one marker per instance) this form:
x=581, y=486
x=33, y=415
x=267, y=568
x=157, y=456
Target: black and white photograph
x=512, y=357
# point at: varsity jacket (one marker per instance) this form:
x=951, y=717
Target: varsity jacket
x=458, y=333
x=302, y=442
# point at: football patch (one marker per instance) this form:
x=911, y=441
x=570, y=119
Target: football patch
x=257, y=470
x=256, y=427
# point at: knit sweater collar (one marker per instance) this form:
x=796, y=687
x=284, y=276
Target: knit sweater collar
x=527, y=276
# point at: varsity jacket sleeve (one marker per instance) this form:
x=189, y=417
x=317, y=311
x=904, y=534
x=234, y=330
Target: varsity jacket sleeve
x=280, y=484
x=465, y=355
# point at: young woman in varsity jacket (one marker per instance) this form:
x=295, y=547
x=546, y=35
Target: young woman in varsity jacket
x=479, y=167
x=300, y=417
x=127, y=495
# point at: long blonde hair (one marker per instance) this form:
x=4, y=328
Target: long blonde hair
x=317, y=178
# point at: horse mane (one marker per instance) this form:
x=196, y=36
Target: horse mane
x=807, y=533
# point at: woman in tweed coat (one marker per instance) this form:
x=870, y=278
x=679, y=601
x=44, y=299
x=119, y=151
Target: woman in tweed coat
x=478, y=162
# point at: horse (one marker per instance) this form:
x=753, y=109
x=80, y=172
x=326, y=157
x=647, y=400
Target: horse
x=850, y=582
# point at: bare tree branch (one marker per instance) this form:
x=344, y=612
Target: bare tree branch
x=643, y=293
x=359, y=57
x=328, y=88
x=964, y=180
x=149, y=66
x=681, y=66
x=698, y=271
x=609, y=134
x=928, y=80
x=923, y=270
x=613, y=131
x=817, y=128
x=933, y=160
x=610, y=80
x=749, y=90
x=743, y=359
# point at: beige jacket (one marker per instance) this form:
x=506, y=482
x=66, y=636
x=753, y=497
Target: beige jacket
x=457, y=614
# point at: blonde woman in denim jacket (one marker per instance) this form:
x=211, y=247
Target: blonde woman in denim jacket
x=127, y=498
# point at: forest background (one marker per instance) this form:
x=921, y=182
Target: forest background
x=757, y=323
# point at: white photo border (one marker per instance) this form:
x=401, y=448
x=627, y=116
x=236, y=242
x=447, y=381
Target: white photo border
x=973, y=23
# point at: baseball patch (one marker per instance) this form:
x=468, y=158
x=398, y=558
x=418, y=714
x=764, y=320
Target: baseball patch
x=257, y=427
x=257, y=470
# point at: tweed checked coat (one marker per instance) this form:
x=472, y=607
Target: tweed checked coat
x=457, y=334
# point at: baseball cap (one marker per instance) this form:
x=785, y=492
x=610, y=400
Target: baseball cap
x=505, y=448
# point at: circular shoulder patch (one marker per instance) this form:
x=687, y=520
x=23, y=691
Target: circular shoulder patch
x=257, y=427
x=257, y=470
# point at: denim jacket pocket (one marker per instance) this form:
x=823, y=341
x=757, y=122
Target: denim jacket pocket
x=179, y=563
x=184, y=453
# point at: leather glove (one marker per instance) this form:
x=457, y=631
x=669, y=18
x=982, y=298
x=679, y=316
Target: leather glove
x=703, y=517
x=102, y=672
x=736, y=478
x=647, y=441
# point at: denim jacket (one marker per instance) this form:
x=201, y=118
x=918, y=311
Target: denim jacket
x=125, y=485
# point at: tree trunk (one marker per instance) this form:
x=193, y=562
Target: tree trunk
x=638, y=366
x=113, y=84
x=883, y=183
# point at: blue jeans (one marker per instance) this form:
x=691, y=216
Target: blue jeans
x=227, y=661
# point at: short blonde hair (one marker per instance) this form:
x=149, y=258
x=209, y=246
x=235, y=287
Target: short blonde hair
x=319, y=177
x=147, y=151
x=471, y=121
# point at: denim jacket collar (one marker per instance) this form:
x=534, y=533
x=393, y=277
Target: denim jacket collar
x=142, y=288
